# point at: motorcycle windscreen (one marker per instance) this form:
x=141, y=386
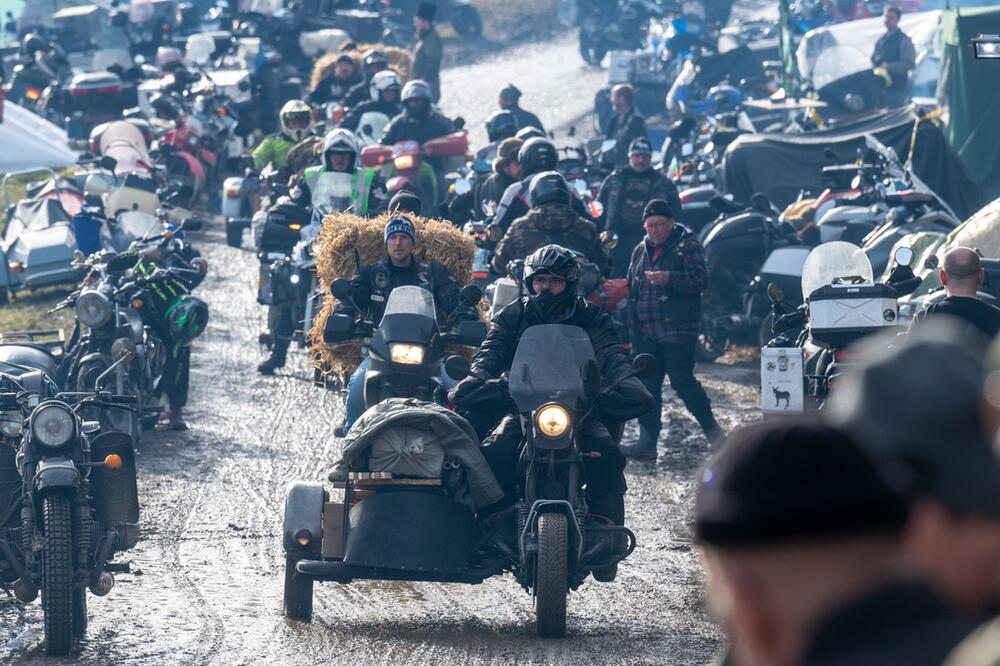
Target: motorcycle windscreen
x=553, y=363
x=332, y=192
x=137, y=224
x=409, y=316
x=836, y=262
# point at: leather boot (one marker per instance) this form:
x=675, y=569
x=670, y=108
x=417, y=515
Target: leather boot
x=279, y=353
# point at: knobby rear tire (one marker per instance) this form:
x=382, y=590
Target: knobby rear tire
x=57, y=575
x=551, y=578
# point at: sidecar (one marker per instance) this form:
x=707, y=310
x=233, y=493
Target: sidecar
x=406, y=509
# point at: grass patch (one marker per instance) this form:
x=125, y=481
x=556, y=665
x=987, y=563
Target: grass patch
x=29, y=310
x=515, y=18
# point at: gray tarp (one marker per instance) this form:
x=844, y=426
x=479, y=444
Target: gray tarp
x=407, y=436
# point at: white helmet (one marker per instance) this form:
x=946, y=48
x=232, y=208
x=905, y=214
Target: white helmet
x=295, y=111
x=341, y=140
x=381, y=82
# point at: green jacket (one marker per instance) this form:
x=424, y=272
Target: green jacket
x=361, y=187
x=272, y=150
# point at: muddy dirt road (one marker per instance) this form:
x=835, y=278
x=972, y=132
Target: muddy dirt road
x=205, y=586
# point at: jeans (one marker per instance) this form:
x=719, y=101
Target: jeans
x=355, y=404
x=674, y=360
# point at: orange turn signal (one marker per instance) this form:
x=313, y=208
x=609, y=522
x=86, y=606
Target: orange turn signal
x=137, y=303
x=113, y=462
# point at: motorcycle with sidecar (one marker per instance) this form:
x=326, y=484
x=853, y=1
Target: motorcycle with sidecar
x=401, y=521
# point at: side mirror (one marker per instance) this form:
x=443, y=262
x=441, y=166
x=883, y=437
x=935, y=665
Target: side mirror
x=470, y=295
x=457, y=367
x=470, y=333
x=458, y=123
x=109, y=163
x=462, y=186
x=931, y=262
x=643, y=365
x=341, y=289
x=191, y=224
x=775, y=293
x=903, y=256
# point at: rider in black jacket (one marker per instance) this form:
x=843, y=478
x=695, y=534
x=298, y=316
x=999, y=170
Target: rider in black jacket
x=551, y=275
x=370, y=288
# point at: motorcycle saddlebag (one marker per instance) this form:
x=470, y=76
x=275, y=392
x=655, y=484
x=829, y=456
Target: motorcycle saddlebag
x=116, y=496
x=839, y=314
x=411, y=530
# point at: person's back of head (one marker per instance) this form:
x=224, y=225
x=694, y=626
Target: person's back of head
x=961, y=272
x=786, y=540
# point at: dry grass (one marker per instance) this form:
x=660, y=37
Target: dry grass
x=29, y=311
x=511, y=19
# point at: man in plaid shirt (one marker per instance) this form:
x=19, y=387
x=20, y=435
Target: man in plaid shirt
x=666, y=276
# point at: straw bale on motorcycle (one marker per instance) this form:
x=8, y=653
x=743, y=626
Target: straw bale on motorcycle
x=346, y=241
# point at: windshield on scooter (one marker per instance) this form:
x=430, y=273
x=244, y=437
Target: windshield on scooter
x=554, y=363
x=837, y=262
x=409, y=316
x=332, y=192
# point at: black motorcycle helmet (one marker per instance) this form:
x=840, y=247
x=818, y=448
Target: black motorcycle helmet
x=187, y=319
x=552, y=260
x=529, y=132
x=33, y=43
x=537, y=155
x=501, y=125
x=548, y=187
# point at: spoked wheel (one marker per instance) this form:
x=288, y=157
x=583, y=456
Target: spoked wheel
x=298, y=593
x=467, y=22
x=57, y=576
x=551, y=579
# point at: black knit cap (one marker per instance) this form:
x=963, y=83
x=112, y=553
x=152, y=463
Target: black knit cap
x=404, y=201
x=794, y=480
x=657, y=207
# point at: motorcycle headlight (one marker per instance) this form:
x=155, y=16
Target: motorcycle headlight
x=553, y=420
x=10, y=423
x=404, y=162
x=53, y=425
x=406, y=354
x=93, y=309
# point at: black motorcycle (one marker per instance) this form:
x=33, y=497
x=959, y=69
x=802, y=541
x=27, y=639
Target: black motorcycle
x=607, y=25
x=70, y=500
x=407, y=347
x=419, y=529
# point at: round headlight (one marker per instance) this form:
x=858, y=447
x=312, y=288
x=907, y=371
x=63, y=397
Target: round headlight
x=553, y=420
x=53, y=425
x=93, y=309
x=10, y=423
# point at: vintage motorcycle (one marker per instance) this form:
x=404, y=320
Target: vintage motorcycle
x=417, y=527
x=72, y=502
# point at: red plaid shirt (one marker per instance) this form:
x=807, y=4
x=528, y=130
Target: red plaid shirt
x=684, y=258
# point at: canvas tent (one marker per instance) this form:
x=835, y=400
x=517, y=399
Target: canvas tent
x=782, y=165
x=29, y=141
x=969, y=92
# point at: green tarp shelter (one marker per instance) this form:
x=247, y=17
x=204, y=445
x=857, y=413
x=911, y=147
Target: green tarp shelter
x=970, y=90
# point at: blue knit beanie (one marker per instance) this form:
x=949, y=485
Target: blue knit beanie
x=400, y=224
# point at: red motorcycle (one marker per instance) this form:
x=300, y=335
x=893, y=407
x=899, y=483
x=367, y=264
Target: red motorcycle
x=408, y=166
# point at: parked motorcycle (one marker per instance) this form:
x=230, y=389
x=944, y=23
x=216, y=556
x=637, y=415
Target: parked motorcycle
x=77, y=503
x=607, y=26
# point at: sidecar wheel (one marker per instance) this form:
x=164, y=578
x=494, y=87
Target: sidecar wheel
x=551, y=585
x=57, y=576
x=298, y=593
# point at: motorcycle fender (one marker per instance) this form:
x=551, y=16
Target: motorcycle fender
x=55, y=474
x=196, y=168
x=553, y=506
x=97, y=357
x=304, y=511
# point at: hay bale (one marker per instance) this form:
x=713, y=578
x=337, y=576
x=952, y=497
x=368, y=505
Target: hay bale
x=340, y=235
x=400, y=61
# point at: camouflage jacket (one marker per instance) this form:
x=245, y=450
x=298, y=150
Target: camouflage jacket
x=549, y=224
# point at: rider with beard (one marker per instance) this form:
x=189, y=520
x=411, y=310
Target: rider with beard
x=551, y=275
x=383, y=91
x=373, y=61
x=624, y=196
x=419, y=121
x=536, y=155
x=551, y=220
